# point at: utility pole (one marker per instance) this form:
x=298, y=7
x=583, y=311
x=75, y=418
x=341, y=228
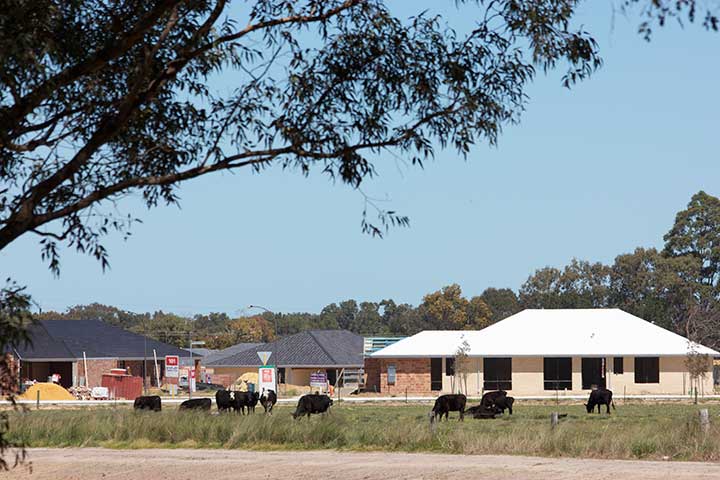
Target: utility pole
x=144, y=368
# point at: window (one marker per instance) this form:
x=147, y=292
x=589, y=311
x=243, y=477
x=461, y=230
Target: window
x=450, y=366
x=592, y=370
x=436, y=374
x=391, y=374
x=647, y=370
x=618, y=366
x=497, y=373
x=557, y=373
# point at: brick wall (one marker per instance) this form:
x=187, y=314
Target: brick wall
x=411, y=375
x=372, y=374
x=96, y=368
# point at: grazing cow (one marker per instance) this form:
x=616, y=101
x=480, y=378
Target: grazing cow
x=151, y=402
x=223, y=400
x=312, y=403
x=245, y=399
x=601, y=396
x=502, y=403
x=268, y=400
x=478, y=411
x=445, y=404
x=196, y=404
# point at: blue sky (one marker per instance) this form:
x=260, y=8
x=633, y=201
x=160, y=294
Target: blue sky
x=589, y=173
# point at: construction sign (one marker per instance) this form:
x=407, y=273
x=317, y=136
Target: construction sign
x=267, y=379
x=172, y=366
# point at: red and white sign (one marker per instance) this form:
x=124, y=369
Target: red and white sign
x=267, y=379
x=172, y=366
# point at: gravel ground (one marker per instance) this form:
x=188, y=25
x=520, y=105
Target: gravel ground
x=192, y=464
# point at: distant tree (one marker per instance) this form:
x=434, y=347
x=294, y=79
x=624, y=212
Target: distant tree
x=368, y=320
x=502, y=302
x=656, y=288
x=448, y=309
x=402, y=319
x=479, y=314
x=696, y=233
x=580, y=284
x=97, y=311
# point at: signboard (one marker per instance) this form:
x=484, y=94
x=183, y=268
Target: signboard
x=318, y=379
x=267, y=379
x=172, y=366
x=264, y=357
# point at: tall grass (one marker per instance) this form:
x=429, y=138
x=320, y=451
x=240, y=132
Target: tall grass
x=633, y=431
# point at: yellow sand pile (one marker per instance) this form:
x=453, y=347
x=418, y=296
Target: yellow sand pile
x=48, y=391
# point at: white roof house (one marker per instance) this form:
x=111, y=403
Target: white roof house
x=551, y=333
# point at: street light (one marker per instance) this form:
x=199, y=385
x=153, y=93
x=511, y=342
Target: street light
x=277, y=335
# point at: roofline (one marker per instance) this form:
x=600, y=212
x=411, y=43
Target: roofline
x=31, y=360
x=356, y=365
x=558, y=355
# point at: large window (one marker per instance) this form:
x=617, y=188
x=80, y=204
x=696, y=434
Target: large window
x=391, y=374
x=647, y=370
x=449, y=366
x=497, y=373
x=557, y=373
x=436, y=374
x=618, y=366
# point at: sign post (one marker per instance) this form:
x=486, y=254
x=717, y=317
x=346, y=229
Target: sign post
x=267, y=378
x=172, y=372
x=318, y=379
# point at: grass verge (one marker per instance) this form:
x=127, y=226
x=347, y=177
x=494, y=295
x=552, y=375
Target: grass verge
x=668, y=431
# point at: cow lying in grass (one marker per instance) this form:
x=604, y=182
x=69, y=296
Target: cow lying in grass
x=601, y=396
x=196, y=404
x=497, y=400
x=479, y=411
x=445, y=404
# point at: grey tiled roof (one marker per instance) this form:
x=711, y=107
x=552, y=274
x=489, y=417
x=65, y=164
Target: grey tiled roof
x=314, y=348
x=68, y=339
x=226, y=352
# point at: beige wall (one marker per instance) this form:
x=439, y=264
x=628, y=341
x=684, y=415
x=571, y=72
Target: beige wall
x=527, y=377
x=234, y=372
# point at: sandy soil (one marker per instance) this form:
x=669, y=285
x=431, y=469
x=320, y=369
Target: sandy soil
x=180, y=464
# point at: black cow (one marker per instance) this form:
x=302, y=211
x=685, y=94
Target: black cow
x=244, y=400
x=445, y=404
x=196, y=404
x=268, y=400
x=151, y=402
x=312, y=403
x=223, y=400
x=601, y=396
x=478, y=411
x=490, y=398
x=502, y=403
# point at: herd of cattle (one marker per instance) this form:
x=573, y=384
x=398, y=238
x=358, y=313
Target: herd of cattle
x=240, y=401
x=491, y=404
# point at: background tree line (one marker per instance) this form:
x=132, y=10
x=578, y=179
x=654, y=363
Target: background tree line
x=676, y=287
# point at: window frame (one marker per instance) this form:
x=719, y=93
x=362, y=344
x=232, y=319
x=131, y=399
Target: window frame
x=621, y=362
x=496, y=383
x=450, y=366
x=391, y=374
x=645, y=376
x=552, y=384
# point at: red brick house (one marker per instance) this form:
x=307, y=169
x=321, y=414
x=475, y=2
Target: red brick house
x=65, y=346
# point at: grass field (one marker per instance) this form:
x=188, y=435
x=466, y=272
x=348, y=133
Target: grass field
x=648, y=431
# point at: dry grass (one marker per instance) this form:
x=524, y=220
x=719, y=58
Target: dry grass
x=632, y=431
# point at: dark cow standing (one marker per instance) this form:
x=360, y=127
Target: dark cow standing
x=223, y=400
x=503, y=403
x=312, y=403
x=268, y=400
x=244, y=400
x=601, y=396
x=445, y=404
x=151, y=402
x=196, y=404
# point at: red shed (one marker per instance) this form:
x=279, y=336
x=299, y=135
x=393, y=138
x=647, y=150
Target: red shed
x=122, y=386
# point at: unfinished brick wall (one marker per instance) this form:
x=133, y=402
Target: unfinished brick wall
x=96, y=368
x=411, y=375
x=372, y=374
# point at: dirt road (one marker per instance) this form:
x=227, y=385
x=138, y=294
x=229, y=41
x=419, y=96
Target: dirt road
x=95, y=463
